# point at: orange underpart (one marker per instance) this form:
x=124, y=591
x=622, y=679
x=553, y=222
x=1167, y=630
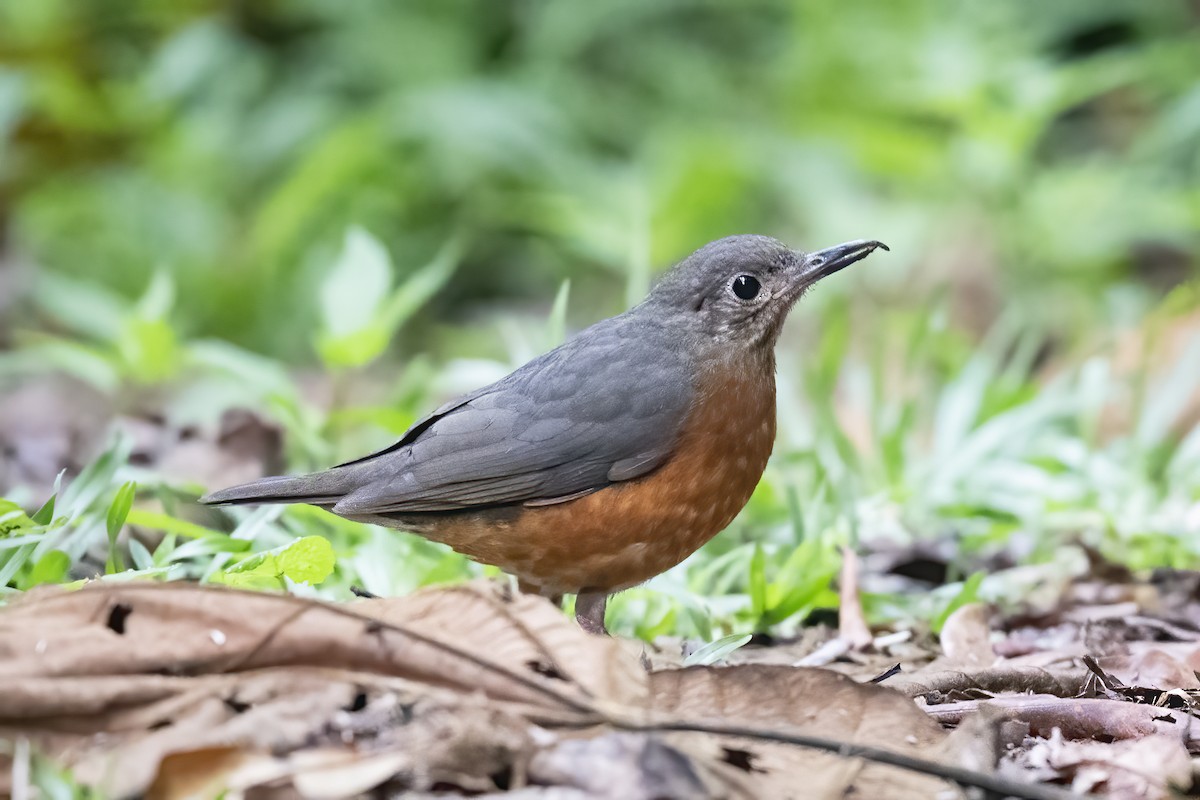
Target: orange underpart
x=629, y=532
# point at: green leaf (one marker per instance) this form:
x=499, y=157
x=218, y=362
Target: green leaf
x=353, y=349
x=374, y=319
x=345, y=158
x=758, y=584
x=354, y=289
x=699, y=618
x=719, y=575
x=45, y=514
x=150, y=349
x=968, y=594
x=118, y=512
x=50, y=568
x=171, y=525
x=306, y=560
x=650, y=630
x=13, y=518
x=10, y=567
x=94, y=480
x=89, y=363
x=14, y=542
x=259, y=580
x=156, y=302
x=417, y=289
x=802, y=579
x=142, y=559
x=81, y=306
x=718, y=650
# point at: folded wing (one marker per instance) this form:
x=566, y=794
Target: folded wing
x=593, y=412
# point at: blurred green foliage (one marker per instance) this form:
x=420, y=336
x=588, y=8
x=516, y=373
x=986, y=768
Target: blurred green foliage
x=203, y=201
x=233, y=144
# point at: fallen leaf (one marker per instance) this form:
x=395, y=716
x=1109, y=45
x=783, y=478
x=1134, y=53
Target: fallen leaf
x=814, y=701
x=932, y=684
x=1077, y=718
x=1140, y=768
x=198, y=774
x=966, y=637
x=241, y=447
x=48, y=425
x=622, y=766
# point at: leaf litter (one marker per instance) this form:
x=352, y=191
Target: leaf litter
x=172, y=690
x=1096, y=690
x=177, y=690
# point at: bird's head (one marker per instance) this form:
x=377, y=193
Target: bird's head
x=740, y=289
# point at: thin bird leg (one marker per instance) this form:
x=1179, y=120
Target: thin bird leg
x=589, y=611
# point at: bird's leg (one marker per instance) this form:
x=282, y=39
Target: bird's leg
x=589, y=611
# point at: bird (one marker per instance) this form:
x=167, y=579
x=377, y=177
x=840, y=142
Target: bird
x=609, y=459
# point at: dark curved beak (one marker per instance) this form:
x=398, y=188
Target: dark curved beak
x=824, y=263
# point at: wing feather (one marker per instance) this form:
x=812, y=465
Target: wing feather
x=588, y=414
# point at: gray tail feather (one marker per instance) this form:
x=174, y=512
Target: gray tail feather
x=318, y=488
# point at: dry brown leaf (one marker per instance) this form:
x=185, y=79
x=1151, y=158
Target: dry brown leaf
x=329, y=774
x=1132, y=769
x=966, y=637
x=240, y=447
x=53, y=639
x=437, y=739
x=622, y=766
x=1077, y=718
x=271, y=673
x=1152, y=668
x=934, y=683
x=48, y=425
x=981, y=739
x=198, y=774
x=519, y=631
x=814, y=701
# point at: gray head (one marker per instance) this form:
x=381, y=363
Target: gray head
x=740, y=288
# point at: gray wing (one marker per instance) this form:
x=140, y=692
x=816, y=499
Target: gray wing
x=605, y=407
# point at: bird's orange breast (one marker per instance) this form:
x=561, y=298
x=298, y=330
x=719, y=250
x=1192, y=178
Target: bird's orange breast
x=631, y=531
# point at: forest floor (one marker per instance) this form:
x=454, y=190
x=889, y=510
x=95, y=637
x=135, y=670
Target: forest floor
x=174, y=690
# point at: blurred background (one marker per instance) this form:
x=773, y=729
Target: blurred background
x=239, y=237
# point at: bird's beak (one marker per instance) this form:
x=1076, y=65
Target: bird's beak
x=824, y=263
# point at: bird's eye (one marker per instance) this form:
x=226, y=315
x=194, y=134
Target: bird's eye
x=746, y=287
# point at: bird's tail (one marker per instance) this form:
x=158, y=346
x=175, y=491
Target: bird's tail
x=318, y=489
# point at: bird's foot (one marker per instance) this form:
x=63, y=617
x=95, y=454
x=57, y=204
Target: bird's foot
x=589, y=612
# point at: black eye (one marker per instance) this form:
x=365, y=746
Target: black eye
x=746, y=287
